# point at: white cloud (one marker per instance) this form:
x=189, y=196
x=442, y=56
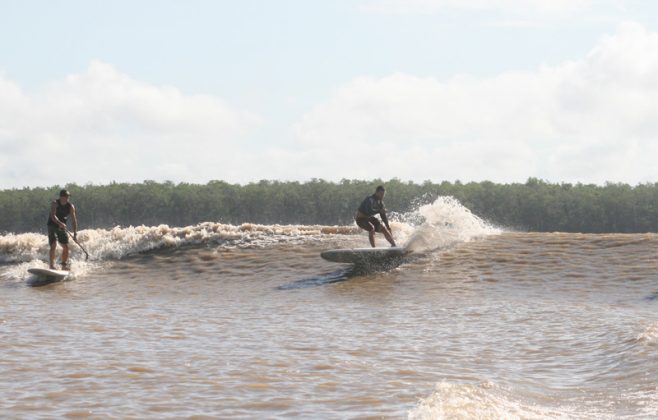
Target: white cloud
x=101, y=125
x=591, y=120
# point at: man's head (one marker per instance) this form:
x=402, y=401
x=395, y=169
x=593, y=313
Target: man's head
x=380, y=192
x=64, y=195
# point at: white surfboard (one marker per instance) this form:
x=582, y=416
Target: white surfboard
x=47, y=273
x=365, y=256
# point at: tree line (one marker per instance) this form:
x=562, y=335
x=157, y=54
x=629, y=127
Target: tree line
x=535, y=205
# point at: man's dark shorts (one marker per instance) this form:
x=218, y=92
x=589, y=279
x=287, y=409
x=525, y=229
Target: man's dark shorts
x=55, y=234
x=369, y=223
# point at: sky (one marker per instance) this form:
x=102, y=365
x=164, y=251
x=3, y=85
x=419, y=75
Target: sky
x=96, y=91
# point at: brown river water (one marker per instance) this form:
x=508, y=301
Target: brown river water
x=220, y=321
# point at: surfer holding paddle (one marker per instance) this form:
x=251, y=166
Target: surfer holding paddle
x=366, y=220
x=60, y=210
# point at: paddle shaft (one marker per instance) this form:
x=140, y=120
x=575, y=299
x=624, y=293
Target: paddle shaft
x=78, y=243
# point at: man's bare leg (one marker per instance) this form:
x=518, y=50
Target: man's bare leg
x=388, y=236
x=53, y=250
x=65, y=256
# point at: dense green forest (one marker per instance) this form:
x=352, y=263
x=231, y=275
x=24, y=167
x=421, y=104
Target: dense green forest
x=535, y=205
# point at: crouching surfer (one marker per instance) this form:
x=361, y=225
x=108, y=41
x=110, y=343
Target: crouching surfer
x=60, y=210
x=366, y=220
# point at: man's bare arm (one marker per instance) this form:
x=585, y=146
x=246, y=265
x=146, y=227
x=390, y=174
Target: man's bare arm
x=385, y=219
x=74, y=220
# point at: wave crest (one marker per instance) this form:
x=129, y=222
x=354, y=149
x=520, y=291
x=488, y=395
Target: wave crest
x=649, y=335
x=442, y=224
x=116, y=243
x=465, y=401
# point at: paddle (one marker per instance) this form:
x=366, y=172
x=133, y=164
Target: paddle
x=81, y=247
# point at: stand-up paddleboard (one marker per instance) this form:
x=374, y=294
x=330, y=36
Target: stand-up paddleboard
x=365, y=256
x=47, y=276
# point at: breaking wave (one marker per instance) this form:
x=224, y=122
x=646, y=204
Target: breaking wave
x=649, y=336
x=119, y=242
x=438, y=225
x=30, y=250
x=489, y=401
x=442, y=224
x=468, y=401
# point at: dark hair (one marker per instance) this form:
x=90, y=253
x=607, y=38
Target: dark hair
x=380, y=188
x=64, y=193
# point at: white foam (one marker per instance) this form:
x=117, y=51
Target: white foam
x=649, y=335
x=489, y=401
x=467, y=401
x=19, y=272
x=441, y=224
x=22, y=247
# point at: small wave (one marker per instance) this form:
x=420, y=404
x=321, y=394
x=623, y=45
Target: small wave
x=649, y=335
x=464, y=401
x=442, y=224
x=489, y=401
